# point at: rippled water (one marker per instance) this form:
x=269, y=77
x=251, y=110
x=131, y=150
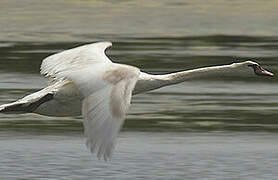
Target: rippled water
x=217, y=128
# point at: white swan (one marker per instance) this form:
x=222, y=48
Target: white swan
x=85, y=77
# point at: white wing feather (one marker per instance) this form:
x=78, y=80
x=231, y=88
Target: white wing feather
x=101, y=122
x=75, y=58
x=106, y=87
x=104, y=111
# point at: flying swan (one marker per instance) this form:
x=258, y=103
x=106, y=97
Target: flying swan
x=83, y=80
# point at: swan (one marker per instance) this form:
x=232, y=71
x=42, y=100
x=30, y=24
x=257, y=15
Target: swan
x=83, y=80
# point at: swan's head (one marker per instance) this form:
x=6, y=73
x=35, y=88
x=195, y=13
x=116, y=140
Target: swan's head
x=250, y=68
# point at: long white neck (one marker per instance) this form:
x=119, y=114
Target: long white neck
x=148, y=82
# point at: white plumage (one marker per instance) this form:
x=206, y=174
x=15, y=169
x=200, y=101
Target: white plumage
x=85, y=77
x=73, y=59
x=105, y=86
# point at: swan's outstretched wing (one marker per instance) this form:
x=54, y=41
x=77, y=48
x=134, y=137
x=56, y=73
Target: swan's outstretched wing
x=104, y=112
x=75, y=58
x=106, y=88
x=107, y=94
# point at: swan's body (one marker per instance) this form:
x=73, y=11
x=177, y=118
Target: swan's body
x=84, y=81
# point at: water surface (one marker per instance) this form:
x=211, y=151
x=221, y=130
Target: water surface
x=216, y=128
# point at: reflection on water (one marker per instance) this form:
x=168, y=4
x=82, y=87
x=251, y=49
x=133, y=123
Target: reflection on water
x=203, y=129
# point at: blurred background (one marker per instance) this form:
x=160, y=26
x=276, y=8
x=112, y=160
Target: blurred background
x=203, y=129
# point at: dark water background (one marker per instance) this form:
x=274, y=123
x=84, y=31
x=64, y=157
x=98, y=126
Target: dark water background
x=204, y=129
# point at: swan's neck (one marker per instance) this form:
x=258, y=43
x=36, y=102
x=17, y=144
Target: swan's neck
x=148, y=82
